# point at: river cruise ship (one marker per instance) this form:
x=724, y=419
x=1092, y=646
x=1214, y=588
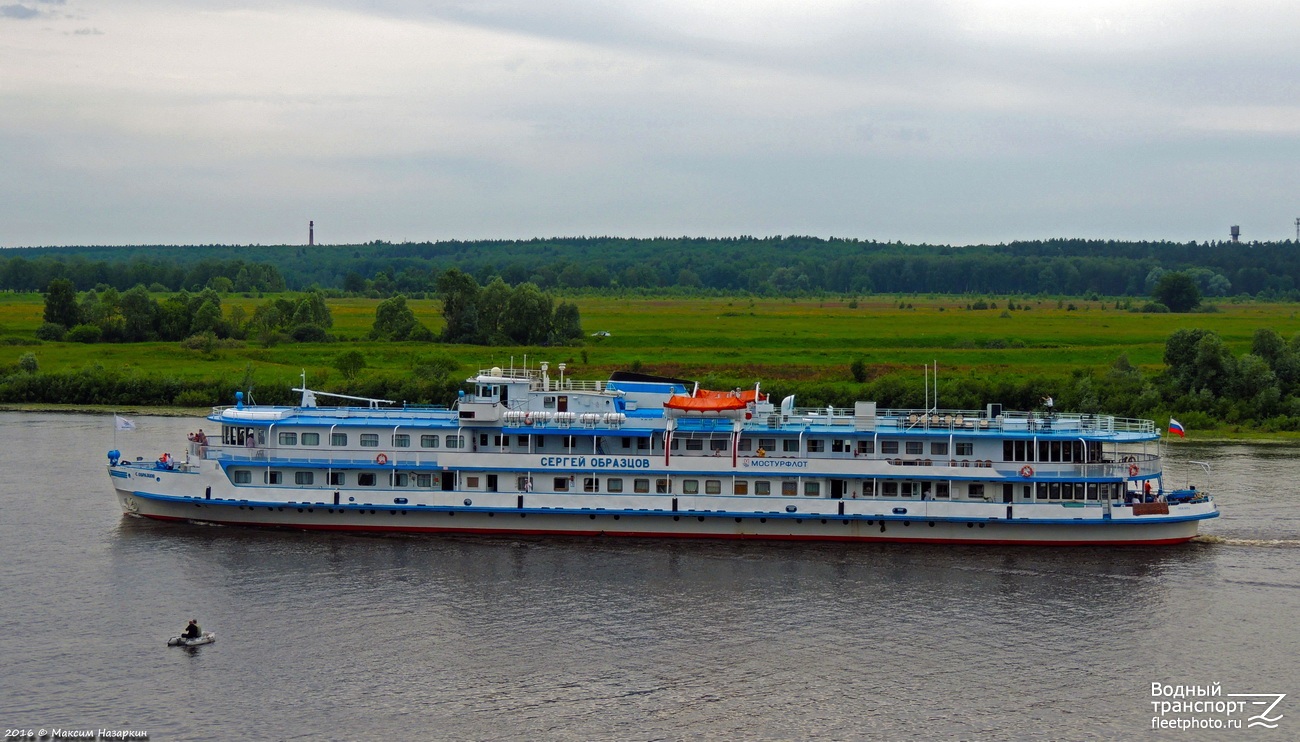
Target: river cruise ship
x=529, y=452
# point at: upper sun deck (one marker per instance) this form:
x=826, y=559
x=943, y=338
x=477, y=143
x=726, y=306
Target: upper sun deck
x=859, y=421
x=982, y=423
x=282, y=415
x=540, y=380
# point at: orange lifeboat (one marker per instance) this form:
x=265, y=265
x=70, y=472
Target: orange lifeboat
x=723, y=402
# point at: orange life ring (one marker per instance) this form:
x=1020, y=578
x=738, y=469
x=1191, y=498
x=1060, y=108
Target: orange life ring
x=381, y=459
x=1133, y=470
x=1026, y=471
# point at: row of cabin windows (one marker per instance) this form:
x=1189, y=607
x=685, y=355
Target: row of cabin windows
x=338, y=478
x=916, y=489
x=1075, y=491
x=788, y=445
x=837, y=445
x=370, y=440
x=662, y=486
x=762, y=487
x=1065, y=451
x=1049, y=491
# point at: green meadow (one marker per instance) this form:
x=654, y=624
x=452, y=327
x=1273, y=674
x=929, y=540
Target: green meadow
x=730, y=338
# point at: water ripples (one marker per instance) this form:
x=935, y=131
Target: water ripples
x=341, y=636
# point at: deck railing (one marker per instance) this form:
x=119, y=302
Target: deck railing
x=1008, y=421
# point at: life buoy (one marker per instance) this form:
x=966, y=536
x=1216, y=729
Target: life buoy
x=1026, y=471
x=1133, y=470
x=381, y=459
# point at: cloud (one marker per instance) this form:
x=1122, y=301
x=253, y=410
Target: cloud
x=925, y=119
x=20, y=12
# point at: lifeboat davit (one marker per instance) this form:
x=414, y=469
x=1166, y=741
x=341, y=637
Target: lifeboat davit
x=746, y=395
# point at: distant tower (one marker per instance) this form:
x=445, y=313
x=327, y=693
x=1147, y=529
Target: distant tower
x=1236, y=233
x=1297, y=229
x=311, y=232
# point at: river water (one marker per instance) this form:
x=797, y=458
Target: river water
x=332, y=636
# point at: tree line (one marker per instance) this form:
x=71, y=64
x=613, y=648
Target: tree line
x=162, y=273
x=497, y=314
x=779, y=265
x=137, y=316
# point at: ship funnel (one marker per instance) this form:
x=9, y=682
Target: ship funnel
x=787, y=406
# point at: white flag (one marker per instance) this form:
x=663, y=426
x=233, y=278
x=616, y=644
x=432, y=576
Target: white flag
x=121, y=423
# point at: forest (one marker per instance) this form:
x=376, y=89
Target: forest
x=759, y=266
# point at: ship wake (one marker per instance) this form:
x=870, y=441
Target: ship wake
x=1273, y=542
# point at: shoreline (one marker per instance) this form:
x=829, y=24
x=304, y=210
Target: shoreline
x=91, y=409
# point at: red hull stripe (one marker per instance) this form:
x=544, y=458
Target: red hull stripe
x=656, y=534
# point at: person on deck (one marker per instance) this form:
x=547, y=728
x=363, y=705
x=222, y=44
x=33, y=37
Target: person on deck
x=192, y=631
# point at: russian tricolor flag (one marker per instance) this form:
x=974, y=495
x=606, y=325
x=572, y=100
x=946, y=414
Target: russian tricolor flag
x=1176, y=428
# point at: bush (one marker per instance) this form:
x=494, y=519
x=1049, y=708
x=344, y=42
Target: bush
x=19, y=340
x=309, y=334
x=195, y=398
x=859, y=370
x=28, y=363
x=421, y=334
x=1155, y=307
x=51, y=331
x=204, y=341
x=350, y=363
x=84, y=334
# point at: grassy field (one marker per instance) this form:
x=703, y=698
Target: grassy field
x=761, y=339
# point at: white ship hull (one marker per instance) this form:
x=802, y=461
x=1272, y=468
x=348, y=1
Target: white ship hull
x=654, y=517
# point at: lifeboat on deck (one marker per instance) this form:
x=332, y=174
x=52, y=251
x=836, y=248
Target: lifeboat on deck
x=708, y=402
x=725, y=403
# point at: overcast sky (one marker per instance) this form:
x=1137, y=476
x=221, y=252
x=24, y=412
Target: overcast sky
x=180, y=121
